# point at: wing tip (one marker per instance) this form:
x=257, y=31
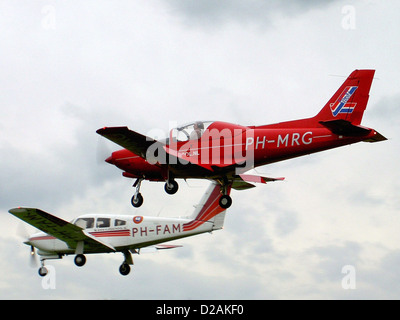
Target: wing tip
x=17, y=210
x=104, y=130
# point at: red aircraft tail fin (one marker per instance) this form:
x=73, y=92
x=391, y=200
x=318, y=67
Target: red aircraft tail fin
x=350, y=100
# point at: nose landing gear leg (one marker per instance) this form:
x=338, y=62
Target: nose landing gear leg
x=42, y=270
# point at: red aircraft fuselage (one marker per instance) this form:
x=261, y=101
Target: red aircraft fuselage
x=214, y=155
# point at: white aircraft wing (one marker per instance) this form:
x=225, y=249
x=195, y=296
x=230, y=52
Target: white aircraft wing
x=59, y=228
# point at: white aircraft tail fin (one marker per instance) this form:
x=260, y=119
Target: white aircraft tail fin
x=208, y=210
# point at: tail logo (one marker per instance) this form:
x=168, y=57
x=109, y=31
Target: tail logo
x=341, y=105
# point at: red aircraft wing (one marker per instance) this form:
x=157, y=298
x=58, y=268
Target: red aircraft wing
x=130, y=140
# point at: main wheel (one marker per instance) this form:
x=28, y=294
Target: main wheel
x=43, y=271
x=124, y=269
x=225, y=201
x=80, y=260
x=137, y=200
x=171, y=187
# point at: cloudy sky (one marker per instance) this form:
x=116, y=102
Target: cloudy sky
x=71, y=67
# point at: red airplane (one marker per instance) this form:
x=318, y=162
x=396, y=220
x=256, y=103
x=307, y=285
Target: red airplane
x=223, y=151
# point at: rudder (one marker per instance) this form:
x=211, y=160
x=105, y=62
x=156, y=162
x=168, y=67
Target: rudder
x=350, y=100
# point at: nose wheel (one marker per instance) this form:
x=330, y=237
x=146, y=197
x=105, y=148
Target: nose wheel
x=137, y=199
x=42, y=270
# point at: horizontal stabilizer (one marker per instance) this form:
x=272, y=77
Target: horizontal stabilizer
x=245, y=181
x=345, y=128
x=376, y=138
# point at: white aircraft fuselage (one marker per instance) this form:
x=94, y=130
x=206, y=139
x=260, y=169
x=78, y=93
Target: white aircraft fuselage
x=104, y=233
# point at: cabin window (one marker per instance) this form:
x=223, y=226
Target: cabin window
x=119, y=222
x=103, y=222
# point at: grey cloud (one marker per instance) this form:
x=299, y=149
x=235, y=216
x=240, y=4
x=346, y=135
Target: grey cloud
x=387, y=277
x=388, y=105
x=65, y=169
x=254, y=11
x=334, y=257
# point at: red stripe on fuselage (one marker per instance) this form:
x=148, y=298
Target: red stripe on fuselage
x=113, y=233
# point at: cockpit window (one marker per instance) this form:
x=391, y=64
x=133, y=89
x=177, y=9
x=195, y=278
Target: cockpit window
x=103, y=222
x=85, y=223
x=191, y=131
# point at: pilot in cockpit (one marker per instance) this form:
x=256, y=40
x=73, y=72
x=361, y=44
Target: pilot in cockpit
x=198, y=130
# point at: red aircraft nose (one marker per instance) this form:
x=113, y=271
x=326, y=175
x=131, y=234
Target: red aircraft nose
x=110, y=160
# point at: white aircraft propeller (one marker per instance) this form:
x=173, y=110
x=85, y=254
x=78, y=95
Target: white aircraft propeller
x=23, y=234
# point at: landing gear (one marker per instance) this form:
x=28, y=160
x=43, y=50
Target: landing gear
x=43, y=271
x=171, y=187
x=124, y=269
x=137, y=199
x=225, y=201
x=80, y=260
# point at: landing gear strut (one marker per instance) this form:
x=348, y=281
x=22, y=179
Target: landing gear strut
x=137, y=199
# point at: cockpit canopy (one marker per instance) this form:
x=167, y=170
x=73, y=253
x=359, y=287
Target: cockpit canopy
x=191, y=131
x=195, y=130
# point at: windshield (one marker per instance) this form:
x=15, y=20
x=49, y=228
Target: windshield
x=191, y=131
x=85, y=223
